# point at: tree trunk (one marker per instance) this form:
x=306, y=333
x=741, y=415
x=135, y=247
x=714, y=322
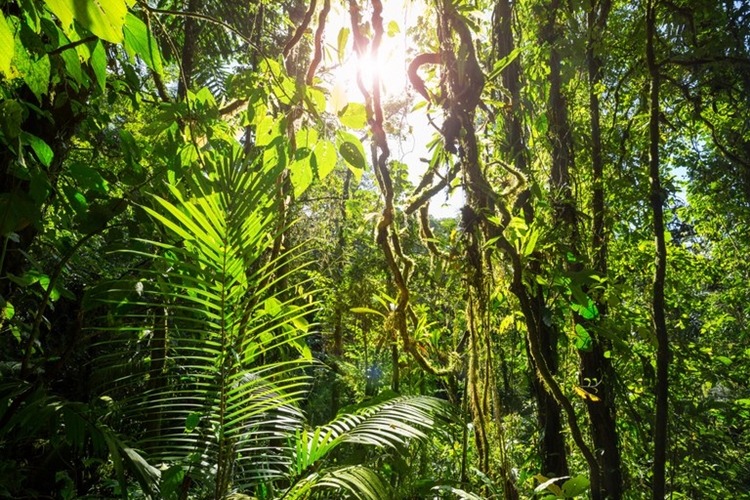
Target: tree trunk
x=595, y=367
x=660, y=260
x=338, y=327
x=562, y=158
x=553, y=451
x=189, y=48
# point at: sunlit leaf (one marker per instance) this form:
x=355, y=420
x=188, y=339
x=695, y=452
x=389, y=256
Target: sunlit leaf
x=354, y=115
x=98, y=63
x=325, y=158
x=531, y=242
x=393, y=29
x=104, y=18
x=503, y=63
x=139, y=41
x=35, y=71
x=317, y=99
x=306, y=137
x=366, y=310
x=342, y=38
x=302, y=175
x=587, y=312
x=7, y=311
x=548, y=484
x=583, y=340
x=351, y=150
x=42, y=151
x=575, y=486
x=585, y=394
x=8, y=44
x=267, y=130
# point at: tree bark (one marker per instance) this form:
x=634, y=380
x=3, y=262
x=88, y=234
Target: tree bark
x=562, y=159
x=660, y=259
x=338, y=326
x=595, y=367
x=189, y=49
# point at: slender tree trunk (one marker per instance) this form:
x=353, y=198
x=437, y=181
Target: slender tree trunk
x=189, y=48
x=553, y=451
x=503, y=46
x=338, y=327
x=552, y=445
x=660, y=325
x=594, y=366
x=562, y=158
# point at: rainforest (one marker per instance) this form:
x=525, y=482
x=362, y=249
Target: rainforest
x=375, y=249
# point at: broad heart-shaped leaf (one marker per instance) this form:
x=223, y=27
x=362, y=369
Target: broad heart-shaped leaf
x=354, y=115
x=42, y=151
x=306, y=137
x=104, y=18
x=325, y=158
x=575, y=486
x=588, y=312
x=7, y=43
x=34, y=71
x=139, y=41
x=302, y=175
x=352, y=152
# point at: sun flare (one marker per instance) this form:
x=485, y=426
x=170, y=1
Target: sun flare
x=387, y=68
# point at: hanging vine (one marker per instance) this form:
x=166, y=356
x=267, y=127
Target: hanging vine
x=399, y=265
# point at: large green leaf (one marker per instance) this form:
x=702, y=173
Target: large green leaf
x=104, y=18
x=8, y=43
x=41, y=149
x=99, y=64
x=35, y=71
x=139, y=41
x=352, y=152
x=354, y=115
x=325, y=158
x=302, y=175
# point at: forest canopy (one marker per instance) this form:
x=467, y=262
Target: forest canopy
x=228, y=270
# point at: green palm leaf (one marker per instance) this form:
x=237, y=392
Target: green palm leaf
x=392, y=423
x=204, y=359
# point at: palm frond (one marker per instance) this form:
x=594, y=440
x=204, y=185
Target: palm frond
x=358, y=482
x=457, y=492
x=392, y=423
x=196, y=363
